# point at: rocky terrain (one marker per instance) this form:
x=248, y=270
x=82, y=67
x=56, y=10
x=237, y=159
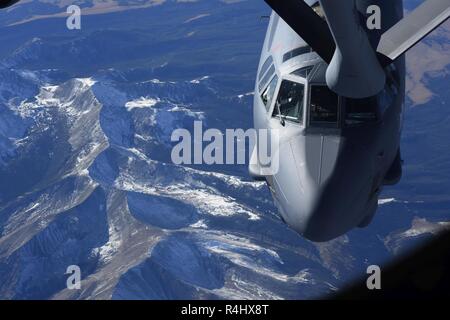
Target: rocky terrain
x=86, y=177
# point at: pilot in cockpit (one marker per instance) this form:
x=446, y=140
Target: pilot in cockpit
x=289, y=104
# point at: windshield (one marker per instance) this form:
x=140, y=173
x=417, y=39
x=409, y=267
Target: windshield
x=324, y=107
x=359, y=111
x=290, y=101
x=267, y=95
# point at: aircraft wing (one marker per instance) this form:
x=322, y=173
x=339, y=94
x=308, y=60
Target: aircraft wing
x=413, y=28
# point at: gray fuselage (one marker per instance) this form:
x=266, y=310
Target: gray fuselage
x=335, y=153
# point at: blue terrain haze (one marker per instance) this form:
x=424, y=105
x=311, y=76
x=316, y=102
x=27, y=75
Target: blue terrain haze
x=86, y=176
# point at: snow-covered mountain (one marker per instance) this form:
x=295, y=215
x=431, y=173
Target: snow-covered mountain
x=104, y=203
x=86, y=177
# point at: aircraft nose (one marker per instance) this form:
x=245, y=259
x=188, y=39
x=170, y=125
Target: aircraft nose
x=317, y=156
x=322, y=200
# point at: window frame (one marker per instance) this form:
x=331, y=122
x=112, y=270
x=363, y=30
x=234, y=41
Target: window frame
x=265, y=67
x=296, y=79
x=261, y=93
x=328, y=125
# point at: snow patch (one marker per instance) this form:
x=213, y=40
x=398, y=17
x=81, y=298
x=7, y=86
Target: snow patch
x=142, y=102
x=197, y=81
x=157, y=81
x=87, y=82
x=241, y=96
x=385, y=201
x=194, y=114
x=199, y=225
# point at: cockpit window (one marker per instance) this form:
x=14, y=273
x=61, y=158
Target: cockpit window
x=267, y=95
x=265, y=66
x=303, y=72
x=289, y=103
x=296, y=52
x=324, y=107
x=360, y=111
x=267, y=77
